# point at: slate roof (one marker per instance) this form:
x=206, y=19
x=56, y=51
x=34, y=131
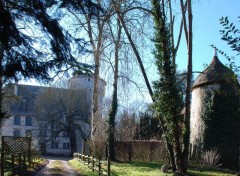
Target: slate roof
x=215, y=73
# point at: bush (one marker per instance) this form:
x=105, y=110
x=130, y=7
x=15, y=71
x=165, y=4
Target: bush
x=211, y=158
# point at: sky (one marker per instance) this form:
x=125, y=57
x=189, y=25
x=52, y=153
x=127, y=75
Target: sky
x=206, y=26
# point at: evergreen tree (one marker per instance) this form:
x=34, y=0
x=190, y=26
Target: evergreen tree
x=23, y=25
x=148, y=127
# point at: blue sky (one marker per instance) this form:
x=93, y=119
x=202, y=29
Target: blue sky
x=206, y=26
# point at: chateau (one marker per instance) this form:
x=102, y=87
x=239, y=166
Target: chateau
x=26, y=120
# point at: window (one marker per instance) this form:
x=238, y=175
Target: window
x=66, y=145
x=54, y=145
x=43, y=130
x=17, y=120
x=16, y=133
x=65, y=134
x=28, y=121
x=28, y=133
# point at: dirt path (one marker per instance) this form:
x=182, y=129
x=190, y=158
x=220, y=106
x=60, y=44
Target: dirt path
x=50, y=170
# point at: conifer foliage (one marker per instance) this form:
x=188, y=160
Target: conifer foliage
x=32, y=42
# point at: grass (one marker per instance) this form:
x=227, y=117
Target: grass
x=29, y=170
x=81, y=168
x=146, y=169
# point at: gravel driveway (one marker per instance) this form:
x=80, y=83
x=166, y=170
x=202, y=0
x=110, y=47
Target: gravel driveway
x=66, y=168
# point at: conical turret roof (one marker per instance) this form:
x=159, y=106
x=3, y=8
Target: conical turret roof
x=215, y=73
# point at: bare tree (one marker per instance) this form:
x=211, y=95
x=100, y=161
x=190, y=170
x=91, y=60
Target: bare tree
x=186, y=134
x=64, y=109
x=126, y=128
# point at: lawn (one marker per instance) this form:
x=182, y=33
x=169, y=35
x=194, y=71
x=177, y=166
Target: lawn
x=145, y=169
x=29, y=170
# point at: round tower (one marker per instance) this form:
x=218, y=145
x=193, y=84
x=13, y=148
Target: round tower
x=210, y=123
x=85, y=83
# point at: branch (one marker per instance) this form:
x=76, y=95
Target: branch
x=134, y=49
x=183, y=8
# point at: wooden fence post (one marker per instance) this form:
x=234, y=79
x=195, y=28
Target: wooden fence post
x=19, y=159
x=88, y=159
x=29, y=149
x=130, y=152
x=151, y=153
x=99, y=166
x=24, y=160
x=13, y=171
x=93, y=164
x=2, y=163
x=108, y=166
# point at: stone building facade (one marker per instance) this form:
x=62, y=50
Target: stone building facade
x=24, y=121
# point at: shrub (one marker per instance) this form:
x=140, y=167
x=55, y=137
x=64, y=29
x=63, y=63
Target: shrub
x=211, y=158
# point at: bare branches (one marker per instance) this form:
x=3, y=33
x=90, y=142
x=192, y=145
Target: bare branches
x=135, y=50
x=183, y=8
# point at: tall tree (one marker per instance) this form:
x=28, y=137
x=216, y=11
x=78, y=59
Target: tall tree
x=24, y=27
x=94, y=23
x=167, y=99
x=186, y=131
x=114, y=105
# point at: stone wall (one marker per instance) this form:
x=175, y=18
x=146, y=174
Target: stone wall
x=199, y=97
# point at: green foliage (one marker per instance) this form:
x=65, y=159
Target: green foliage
x=168, y=103
x=33, y=44
x=149, y=127
x=167, y=97
x=231, y=35
x=222, y=123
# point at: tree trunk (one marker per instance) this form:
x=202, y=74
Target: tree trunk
x=72, y=133
x=114, y=104
x=166, y=66
x=95, y=110
x=97, y=49
x=2, y=113
x=73, y=143
x=186, y=135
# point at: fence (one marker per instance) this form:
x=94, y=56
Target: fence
x=102, y=167
x=135, y=150
x=140, y=150
x=15, y=152
x=13, y=161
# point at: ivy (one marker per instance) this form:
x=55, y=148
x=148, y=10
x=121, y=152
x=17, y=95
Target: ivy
x=221, y=120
